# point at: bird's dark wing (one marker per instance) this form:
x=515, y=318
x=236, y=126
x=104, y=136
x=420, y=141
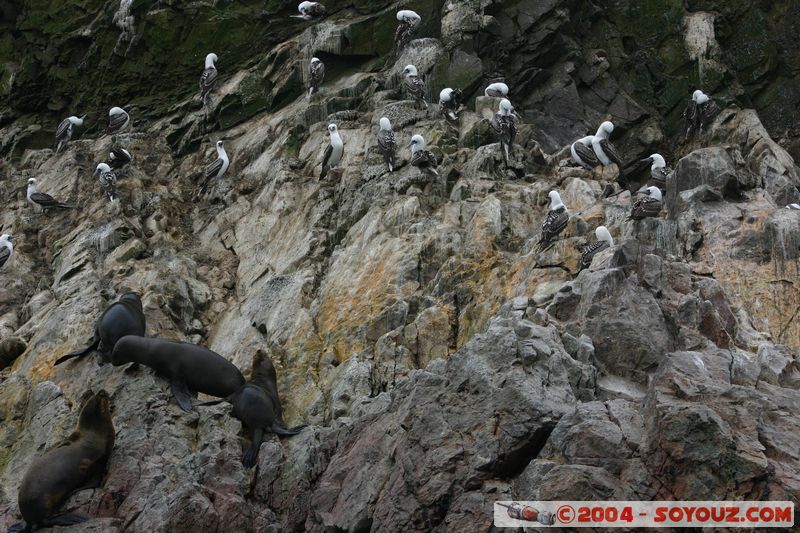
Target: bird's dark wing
x=403, y=33
x=5, y=253
x=326, y=157
x=645, y=207
x=690, y=117
x=120, y=157
x=590, y=251
x=555, y=222
x=415, y=86
x=423, y=159
x=317, y=73
x=63, y=128
x=115, y=122
x=108, y=182
x=611, y=152
x=208, y=79
x=213, y=169
x=497, y=123
x=587, y=155
x=707, y=112
x=44, y=199
x=386, y=141
x=316, y=10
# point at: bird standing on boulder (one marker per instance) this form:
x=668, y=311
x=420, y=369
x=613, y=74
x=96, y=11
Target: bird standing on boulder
x=316, y=73
x=450, y=103
x=310, y=11
x=555, y=222
x=66, y=129
x=408, y=22
x=658, y=171
x=6, y=248
x=119, y=157
x=421, y=158
x=583, y=153
x=603, y=241
x=414, y=85
x=603, y=149
x=646, y=206
x=387, y=142
x=699, y=113
x=333, y=152
x=209, y=77
x=219, y=167
x=42, y=201
x=107, y=180
x=118, y=120
x=505, y=126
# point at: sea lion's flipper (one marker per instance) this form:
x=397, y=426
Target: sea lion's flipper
x=80, y=353
x=181, y=392
x=66, y=519
x=251, y=455
x=280, y=429
x=19, y=527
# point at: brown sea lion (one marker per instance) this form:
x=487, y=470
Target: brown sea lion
x=76, y=464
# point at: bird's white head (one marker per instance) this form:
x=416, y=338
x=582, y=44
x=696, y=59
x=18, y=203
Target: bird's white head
x=410, y=70
x=654, y=192
x=6, y=237
x=32, y=182
x=505, y=107
x=101, y=168
x=496, y=88
x=210, y=60
x=699, y=97
x=603, y=234
x=115, y=111
x=315, y=60
x=658, y=161
x=406, y=15
x=445, y=95
x=417, y=143
x=555, y=200
x=77, y=121
x=605, y=129
x=219, y=144
x=332, y=128
x=385, y=124
x=305, y=6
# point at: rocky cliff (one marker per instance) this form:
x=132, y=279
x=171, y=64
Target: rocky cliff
x=441, y=362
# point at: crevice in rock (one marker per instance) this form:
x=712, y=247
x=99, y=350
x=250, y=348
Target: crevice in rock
x=512, y=463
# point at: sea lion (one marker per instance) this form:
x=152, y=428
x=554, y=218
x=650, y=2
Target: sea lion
x=76, y=464
x=258, y=407
x=123, y=317
x=188, y=367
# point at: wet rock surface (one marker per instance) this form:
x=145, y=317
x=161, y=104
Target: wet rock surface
x=441, y=362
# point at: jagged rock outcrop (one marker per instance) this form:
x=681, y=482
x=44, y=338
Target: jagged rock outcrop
x=441, y=361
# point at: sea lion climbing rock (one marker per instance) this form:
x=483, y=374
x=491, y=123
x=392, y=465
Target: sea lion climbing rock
x=187, y=367
x=76, y=464
x=258, y=407
x=123, y=317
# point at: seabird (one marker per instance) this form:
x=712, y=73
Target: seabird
x=387, y=142
x=793, y=206
x=421, y=158
x=310, y=11
x=414, y=85
x=646, y=206
x=450, y=103
x=42, y=201
x=6, y=248
x=108, y=180
x=119, y=157
x=496, y=90
x=409, y=20
x=583, y=153
x=603, y=241
x=118, y=120
x=699, y=113
x=603, y=149
x=555, y=222
x=658, y=171
x=316, y=72
x=209, y=77
x=65, y=130
x=219, y=167
x=333, y=152
x=505, y=125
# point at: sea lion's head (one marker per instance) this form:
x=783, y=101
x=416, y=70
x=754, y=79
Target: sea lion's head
x=133, y=298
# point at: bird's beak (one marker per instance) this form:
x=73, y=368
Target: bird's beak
x=647, y=159
x=10, y=237
x=513, y=112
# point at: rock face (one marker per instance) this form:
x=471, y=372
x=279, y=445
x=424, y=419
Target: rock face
x=440, y=361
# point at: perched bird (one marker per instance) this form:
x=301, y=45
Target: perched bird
x=658, y=171
x=6, y=248
x=603, y=241
x=496, y=90
x=793, y=206
x=583, y=153
x=421, y=158
x=699, y=113
x=209, y=77
x=409, y=20
x=333, y=152
x=107, y=180
x=504, y=124
x=555, y=222
x=310, y=11
x=603, y=149
x=387, y=142
x=450, y=103
x=42, y=201
x=219, y=167
x=646, y=206
x=118, y=120
x=66, y=129
x=119, y=157
x=414, y=85
x=316, y=73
